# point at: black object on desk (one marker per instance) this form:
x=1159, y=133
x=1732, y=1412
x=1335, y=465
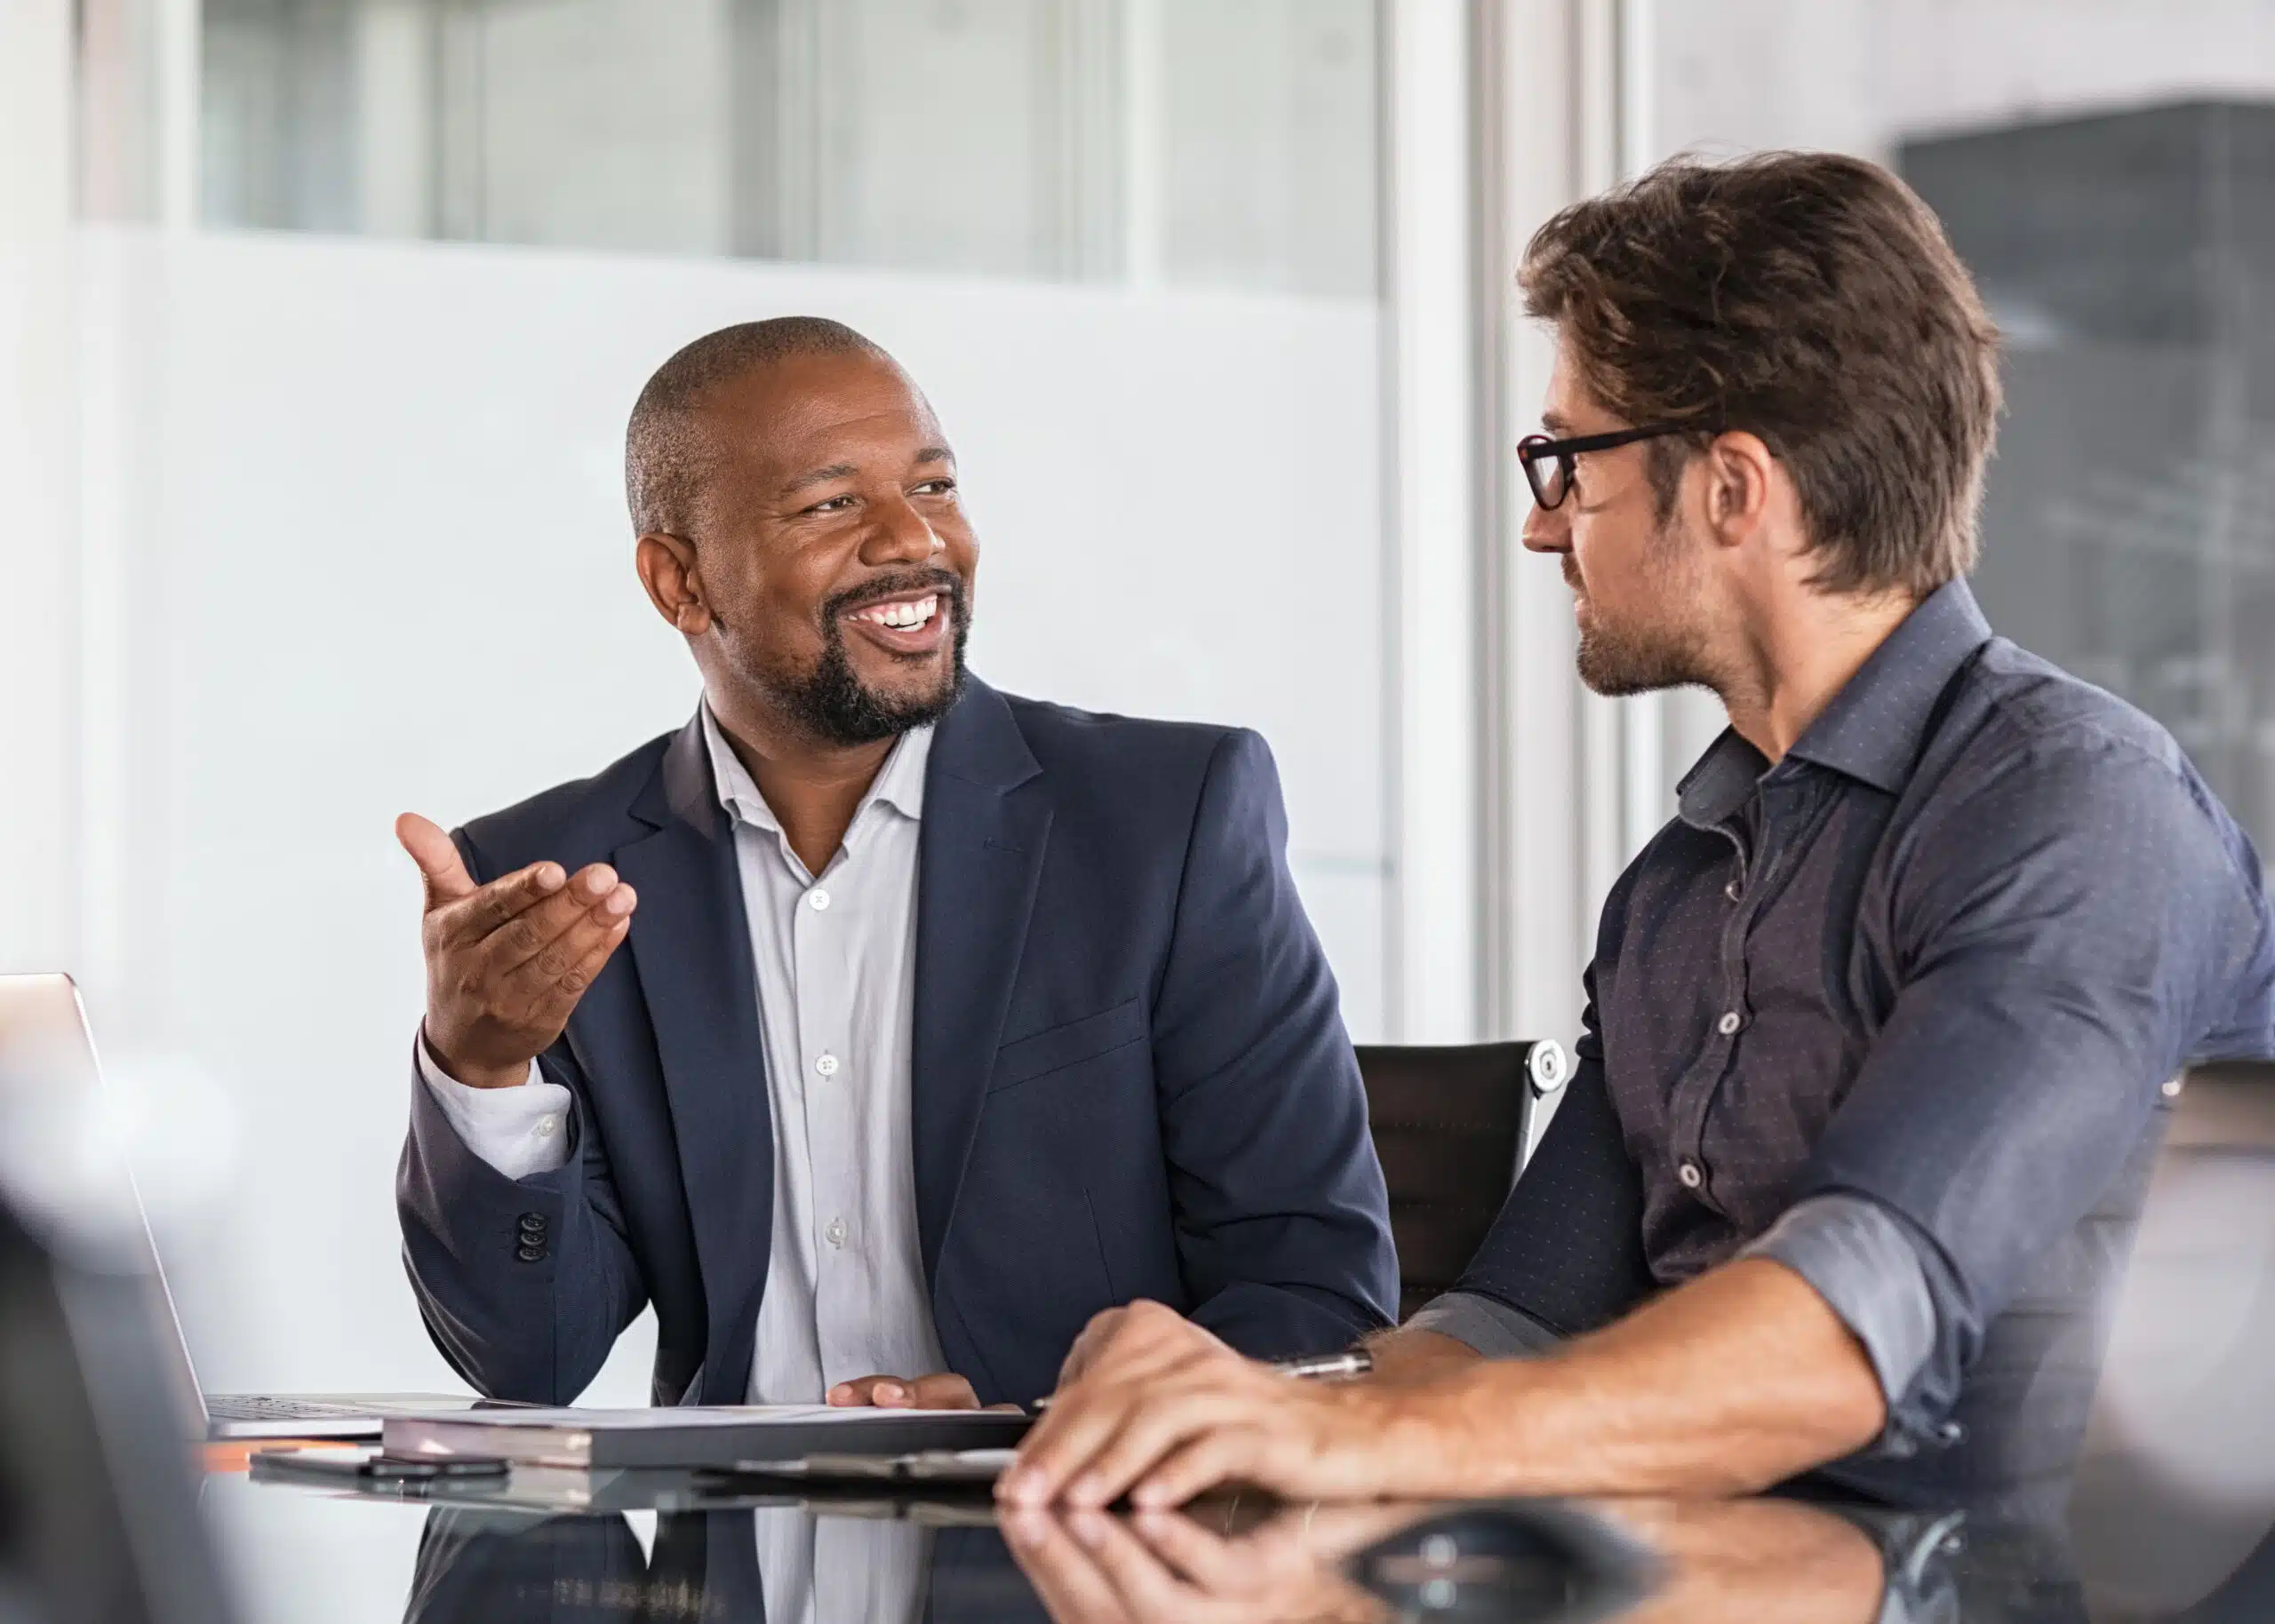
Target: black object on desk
x=98, y=1506
x=364, y=1468
x=1520, y=1559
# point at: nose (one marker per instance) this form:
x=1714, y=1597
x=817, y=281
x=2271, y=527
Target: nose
x=901, y=536
x=1546, y=530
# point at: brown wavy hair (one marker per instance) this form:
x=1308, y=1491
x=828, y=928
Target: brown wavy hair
x=1809, y=298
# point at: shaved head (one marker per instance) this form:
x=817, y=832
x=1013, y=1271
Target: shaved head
x=668, y=456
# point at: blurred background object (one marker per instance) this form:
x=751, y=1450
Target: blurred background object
x=98, y=1500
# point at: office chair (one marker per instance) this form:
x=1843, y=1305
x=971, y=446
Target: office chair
x=2177, y=1487
x=1452, y=1126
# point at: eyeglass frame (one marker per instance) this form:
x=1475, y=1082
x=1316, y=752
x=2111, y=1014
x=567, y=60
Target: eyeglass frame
x=1538, y=447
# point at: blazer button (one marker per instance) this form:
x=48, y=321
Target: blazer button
x=532, y=1223
x=530, y=1254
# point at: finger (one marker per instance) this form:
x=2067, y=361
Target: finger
x=1207, y=1559
x=1150, y=1341
x=521, y=932
x=536, y=979
x=945, y=1391
x=1218, y=1456
x=1065, y=1580
x=884, y=1392
x=1081, y=1420
x=1074, y=1428
x=470, y=919
x=1148, y=1590
x=441, y=870
x=593, y=896
x=1145, y=1356
x=543, y=1003
x=1085, y=1350
x=1147, y=1437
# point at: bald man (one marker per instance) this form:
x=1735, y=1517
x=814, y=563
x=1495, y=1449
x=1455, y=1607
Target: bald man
x=880, y=1029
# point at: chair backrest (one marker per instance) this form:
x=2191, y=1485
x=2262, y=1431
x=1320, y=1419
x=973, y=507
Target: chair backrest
x=1451, y=1126
x=2177, y=1482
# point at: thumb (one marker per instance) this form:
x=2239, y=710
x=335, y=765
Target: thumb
x=440, y=867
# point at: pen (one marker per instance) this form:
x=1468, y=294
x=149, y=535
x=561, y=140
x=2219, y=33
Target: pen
x=1312, y=1367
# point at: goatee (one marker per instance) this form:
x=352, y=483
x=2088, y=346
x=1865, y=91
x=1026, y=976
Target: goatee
x=833, y=705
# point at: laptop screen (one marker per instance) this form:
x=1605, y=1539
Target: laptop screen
x=63, y=1163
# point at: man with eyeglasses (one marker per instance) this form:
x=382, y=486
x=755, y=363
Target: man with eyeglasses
x=1877, y=1026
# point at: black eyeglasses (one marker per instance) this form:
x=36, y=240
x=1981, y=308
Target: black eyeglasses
x=1548, y=463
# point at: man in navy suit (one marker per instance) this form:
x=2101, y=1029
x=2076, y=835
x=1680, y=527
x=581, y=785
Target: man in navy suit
x=949, y=1020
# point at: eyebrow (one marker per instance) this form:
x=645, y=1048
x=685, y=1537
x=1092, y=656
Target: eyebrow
x=820, y=476
x=1553, y=423
x=846, y=470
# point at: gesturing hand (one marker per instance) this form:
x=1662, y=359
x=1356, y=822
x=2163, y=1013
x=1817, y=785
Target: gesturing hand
x=507, y=961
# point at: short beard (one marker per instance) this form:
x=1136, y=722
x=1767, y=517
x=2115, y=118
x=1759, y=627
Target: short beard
x=1614, y=661
x=830, y=704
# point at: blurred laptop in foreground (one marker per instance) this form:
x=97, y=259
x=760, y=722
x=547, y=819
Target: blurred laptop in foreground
x=50, y=1088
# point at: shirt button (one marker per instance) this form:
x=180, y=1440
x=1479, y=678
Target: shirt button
x=817, y=900
x=1691, y=1177
x=546, y=1126
x=836, y=1231
x=826, y=1065
x=1734, y=890
x=1729, y=1023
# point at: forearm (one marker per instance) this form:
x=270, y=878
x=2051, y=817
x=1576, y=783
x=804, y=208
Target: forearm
x=1408, y=1357
x=1733, y=1382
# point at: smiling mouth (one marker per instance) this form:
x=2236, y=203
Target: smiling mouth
x=905, y=615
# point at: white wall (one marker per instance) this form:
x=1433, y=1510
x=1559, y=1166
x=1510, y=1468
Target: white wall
x=361, y=502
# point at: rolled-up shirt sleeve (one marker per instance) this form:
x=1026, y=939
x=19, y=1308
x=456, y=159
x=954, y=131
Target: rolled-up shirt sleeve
x=1484, y=1325
x=1876, y=1275
x=2067, y=935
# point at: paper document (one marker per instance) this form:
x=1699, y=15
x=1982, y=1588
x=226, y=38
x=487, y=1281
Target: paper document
x=681, y=1417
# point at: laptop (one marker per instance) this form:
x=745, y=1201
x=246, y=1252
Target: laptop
x=47, y=1064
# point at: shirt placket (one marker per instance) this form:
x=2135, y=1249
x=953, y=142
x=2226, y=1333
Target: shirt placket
x=1757, y=853
x=822, y=939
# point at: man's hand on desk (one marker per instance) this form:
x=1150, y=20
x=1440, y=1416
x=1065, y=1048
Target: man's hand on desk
x=507, y=961
x=944, y=1391
x=1165, y=1410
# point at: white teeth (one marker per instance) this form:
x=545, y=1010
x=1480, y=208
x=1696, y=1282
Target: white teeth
x=904, y=617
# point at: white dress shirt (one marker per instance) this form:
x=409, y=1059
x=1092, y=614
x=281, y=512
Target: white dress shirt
x=836, y=970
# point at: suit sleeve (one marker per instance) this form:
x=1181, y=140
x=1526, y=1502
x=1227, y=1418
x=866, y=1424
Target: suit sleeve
x=524, y=1284
x=1282, y=1222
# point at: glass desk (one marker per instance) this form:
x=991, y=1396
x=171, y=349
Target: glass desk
x=662, y=1546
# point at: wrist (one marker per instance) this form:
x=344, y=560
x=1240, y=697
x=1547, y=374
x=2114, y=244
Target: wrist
x=471, y=1073
x=1456, y=1431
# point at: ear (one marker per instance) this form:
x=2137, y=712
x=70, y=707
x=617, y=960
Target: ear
x=667, y=566
x=1741, y=476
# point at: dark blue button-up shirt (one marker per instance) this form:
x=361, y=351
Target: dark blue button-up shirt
x=1898, y=1009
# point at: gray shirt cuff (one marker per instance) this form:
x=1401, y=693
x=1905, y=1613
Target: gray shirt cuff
x=1485, y=1324
x=1856, y=1256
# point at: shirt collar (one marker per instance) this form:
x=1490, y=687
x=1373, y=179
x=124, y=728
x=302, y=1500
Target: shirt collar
x=1872, y=728
x=899, y=783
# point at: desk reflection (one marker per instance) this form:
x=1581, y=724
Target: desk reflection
x=1742, y=1562
x=783, y=1565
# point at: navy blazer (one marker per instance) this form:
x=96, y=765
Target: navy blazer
x=1130, y=1077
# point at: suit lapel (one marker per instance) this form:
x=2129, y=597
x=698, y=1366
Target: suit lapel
x=980, y=854
x=691, y=944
